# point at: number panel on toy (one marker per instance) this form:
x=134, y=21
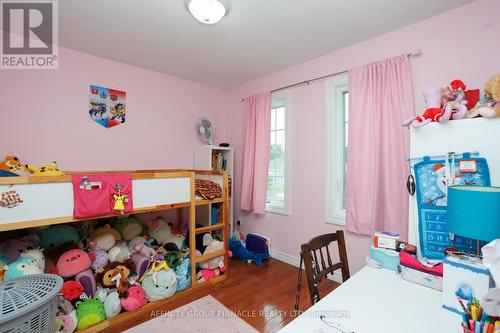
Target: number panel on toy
x=432, y=202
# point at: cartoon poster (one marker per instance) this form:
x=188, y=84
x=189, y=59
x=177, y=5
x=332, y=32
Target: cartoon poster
x=107, y=106
x=431, y=181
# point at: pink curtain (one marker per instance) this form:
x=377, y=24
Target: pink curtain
x=380, y=98
x=256, y=152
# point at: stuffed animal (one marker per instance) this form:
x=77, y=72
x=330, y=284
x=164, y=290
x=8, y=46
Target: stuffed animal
x=99, y=259
x=213, y=245
x=112, y=304
x=71, y=290
x=13, y=165
x=490, y=106
x=14, y=247
x=89, y=312
x=139, y=245
x=46, y=170
x=73, y=262
x=128, y=226
x=141, y=263
x=159, y=282
x=240, y=252
x=37, y=256
x=63, y=305
x=66, y=323
x=77, y=263
x=56, y=235
x=119, y=252
x=9, y=163
x=207, y=275
x=105, y=229
x=103, y=242
x=433, y=112
x=22, y=266
x=134, y=298
x=183, y=273
x=159, y=229
x=105, y=276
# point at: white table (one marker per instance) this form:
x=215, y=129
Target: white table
x=377, y=300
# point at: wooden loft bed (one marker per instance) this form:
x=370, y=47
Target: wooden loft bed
x=49, y=200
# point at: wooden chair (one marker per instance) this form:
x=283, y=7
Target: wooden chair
x=318, y=261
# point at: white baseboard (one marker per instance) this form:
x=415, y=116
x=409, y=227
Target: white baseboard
x=295, y=261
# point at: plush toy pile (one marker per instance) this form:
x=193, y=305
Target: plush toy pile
x=11, y=166
x=454, y=102
x=108, y=266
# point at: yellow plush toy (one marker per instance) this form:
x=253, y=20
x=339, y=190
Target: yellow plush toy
x=491, y=107
x=46, y=170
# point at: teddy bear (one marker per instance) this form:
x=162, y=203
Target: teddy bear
x=489, y=107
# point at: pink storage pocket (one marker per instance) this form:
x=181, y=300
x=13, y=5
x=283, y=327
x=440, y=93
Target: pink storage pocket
x=90, y=200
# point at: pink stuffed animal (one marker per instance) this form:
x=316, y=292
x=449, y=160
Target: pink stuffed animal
x=433, y=112
x=135, y=297
x=77, y=263
x=212, y=246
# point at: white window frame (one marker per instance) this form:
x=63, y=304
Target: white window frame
x=335, y=89
x=283, y=98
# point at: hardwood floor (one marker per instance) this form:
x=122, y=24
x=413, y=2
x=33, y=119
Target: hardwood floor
x=263, y=296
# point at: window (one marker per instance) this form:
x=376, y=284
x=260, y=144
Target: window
x=337, y=92
x=278, y=186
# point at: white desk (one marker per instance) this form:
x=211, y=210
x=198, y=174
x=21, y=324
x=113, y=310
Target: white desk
x=377, y=300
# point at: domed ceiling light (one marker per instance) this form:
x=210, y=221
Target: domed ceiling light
x=207, y=11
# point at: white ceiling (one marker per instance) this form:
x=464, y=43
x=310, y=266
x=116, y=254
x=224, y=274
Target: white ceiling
x=257, y=37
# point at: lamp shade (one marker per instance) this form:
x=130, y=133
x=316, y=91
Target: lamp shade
x=474, y=212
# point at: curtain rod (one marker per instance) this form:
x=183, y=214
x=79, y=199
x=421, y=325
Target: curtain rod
x=415, y=53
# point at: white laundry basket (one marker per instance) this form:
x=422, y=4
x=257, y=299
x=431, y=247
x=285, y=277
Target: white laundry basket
x=29, y=303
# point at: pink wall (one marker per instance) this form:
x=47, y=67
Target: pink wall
x=462, y=43
x=44, y=116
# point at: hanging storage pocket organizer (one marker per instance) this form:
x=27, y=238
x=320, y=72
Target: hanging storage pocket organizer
x=430, y=176
x=93, y=194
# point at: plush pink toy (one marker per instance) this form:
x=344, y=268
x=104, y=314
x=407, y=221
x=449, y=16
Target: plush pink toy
x=433, y=112
x=135, y=297
x=77, y=263
x=213, y=245
x=73, y=262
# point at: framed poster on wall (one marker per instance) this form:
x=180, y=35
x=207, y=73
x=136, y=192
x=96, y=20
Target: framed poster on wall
x=107, y=106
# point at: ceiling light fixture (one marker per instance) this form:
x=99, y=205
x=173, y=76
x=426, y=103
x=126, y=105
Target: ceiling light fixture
x=207, y=11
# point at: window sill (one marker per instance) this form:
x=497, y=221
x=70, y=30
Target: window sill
x=336, y=221
x=277, y=210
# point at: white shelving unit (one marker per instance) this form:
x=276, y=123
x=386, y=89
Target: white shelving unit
x=204, y=160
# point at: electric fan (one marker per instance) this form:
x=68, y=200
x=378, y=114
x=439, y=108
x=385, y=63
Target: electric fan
x=205, y=130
